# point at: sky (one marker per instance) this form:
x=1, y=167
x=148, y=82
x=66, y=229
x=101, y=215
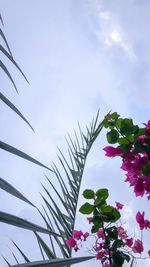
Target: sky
x=79, y=56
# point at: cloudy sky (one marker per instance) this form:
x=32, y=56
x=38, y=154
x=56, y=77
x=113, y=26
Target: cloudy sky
x=79, y=56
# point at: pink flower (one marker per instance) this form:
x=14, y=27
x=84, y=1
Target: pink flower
x=129, y=242
x=122, y=233
x=106, y=264
x=139, y=188
x=99, y=247
x=100, y=255
x=119, y=206
x=100, y=234
x=142, y=138
x=147, y=185
x=147, y=224
x=77, y=234
x=138, y=246
x=76, y=248
x=112, y=151
x=147, y=126
x=71, y=242
x=85, y=235
x=140, y=219
x=149, y=252
x=127, y=164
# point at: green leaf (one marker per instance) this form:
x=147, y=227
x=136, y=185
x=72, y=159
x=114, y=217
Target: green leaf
x=95, y=227
x=110, y=214
x=99, y=202
x=55, y=262
x=112, y=232
x=125, y=147
x=105, y=123
x=88, y=194
x=140, y=131
x=147, y=141
x=126, y=257
x=112, y=136
x=102, y=193
x=118, y=258
x=86, y=208
x=146, y=169
x=123, y=141
x=115, y=115
x=116, y=214
x=118, y=123
x=127, y=126
x=117, y=244
x=19, y=222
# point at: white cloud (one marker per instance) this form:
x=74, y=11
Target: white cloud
x=110, y=31
x=113, y=34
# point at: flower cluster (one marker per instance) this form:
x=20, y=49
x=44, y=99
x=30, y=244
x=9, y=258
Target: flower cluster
x=76, y=239
x=133, y=147
x=143, y=224
x=111, y=241
x=134, y=165
x=102, y=249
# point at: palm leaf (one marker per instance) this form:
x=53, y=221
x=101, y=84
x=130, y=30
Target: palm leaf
x=13, y=191
x=21, y=154
x=5, y=41
x=60, y=215
x=21, y=252
x=55, y=263
x=11, y=105
x=7, y=262
x=12, y=60
x=1, y=20
x=45, y=247
x=69, y=177
x=19, y=222
x=8, y=74
x=14, y=256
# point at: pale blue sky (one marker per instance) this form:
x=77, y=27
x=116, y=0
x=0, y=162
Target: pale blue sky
x=79, y=55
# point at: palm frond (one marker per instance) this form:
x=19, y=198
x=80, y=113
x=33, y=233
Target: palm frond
x=14, y=256
x=3, y=50
x=54, y=263
x=6, y=71
x=45, y=247
x=21, y=252
x=13, y=107
x=5, y=41
x=19, y=222
x=1, y=20
x=21, y=154
x=13, y=191
x=7, y=262
x=69, y=177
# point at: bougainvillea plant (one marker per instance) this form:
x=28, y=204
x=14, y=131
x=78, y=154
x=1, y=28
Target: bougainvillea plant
x=133, y=146
x=112, y=245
